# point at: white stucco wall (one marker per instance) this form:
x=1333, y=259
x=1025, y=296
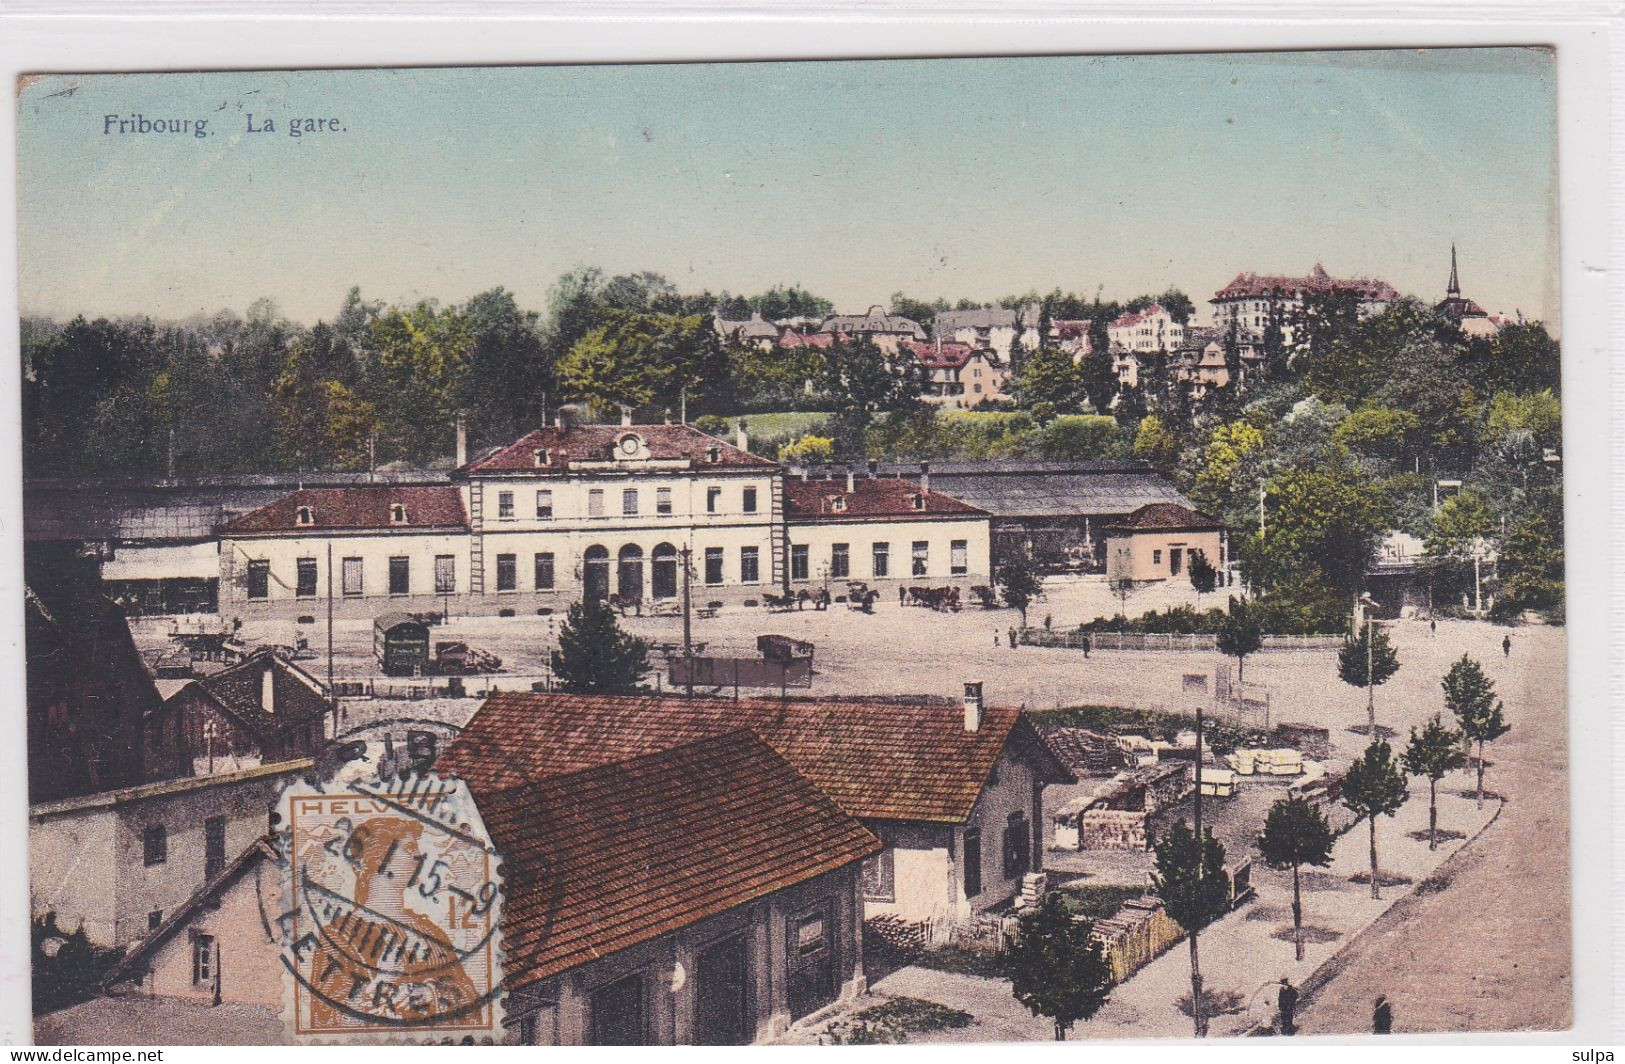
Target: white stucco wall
x=861, y=536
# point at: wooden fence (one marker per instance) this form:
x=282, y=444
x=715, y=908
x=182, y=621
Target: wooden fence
x=1162, y=641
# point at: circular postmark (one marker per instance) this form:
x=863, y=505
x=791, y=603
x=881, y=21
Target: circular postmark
x=387, y=894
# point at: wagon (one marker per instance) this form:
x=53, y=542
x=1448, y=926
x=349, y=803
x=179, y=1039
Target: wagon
x=401, y=643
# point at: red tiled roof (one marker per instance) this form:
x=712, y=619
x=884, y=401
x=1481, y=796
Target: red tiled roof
x=1168, y=515
x=361, y=507
x=877, y=760
x=1124, y=320
x=1258, y=286
x=950, y=355
x=595, y=443
x=600, y=860
x=792, y=338
x=871, y=497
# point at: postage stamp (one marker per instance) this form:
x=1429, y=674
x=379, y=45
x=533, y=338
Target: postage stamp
x=392, y=909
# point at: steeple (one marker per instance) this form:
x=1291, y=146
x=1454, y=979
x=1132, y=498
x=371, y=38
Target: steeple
x=1454, y=289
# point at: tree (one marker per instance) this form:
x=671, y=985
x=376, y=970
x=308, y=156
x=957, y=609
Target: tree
x=1056, y=967
x=1470, y=695
x=1373, y=787
x=1432, y=752
x=1239, y=634
x=1204, y=578
x=1020, y=582
x=807, y=450
x=1367, y=661
x=1462, y=520
x=1295, y=834
x=1122, y=587
x=594, y=656
x=1049, y=375
x=1327, y=519
x=1154, y=443
x=1195, y=891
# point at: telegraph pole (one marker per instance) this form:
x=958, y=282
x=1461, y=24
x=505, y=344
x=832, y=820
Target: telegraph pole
x=331, y=690
x=688, y=646
x=1260, y=509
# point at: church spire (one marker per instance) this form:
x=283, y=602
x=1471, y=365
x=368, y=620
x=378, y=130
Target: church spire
x=1454, y=289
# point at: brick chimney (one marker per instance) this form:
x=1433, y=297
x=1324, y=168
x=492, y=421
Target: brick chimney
x=462, y=442
x=973, y=706
x=874, y=468
x=268, y=687
x=851, y=481
x=925, y=477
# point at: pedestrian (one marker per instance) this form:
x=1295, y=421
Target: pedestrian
x=1433, y=629
x=995, y=637
x=1086, y=646
x=1382, y=1017
x=902, y=596
x=1012, y=639
x=1286, y=1005
x=1506, y=646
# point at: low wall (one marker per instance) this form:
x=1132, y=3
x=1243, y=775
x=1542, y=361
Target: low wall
x=1043, y=637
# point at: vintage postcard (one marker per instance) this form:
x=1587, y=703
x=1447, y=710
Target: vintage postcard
x=828, y=552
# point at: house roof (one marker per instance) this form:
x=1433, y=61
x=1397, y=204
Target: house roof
x=883, y=760
x=752, y=328
x=793, y=338
x=1051, y=490
x=601, y=859
x=356, y=508
x=596, y=443
x=871, y=498
x=948, y=354
x=1165, y=515
x=296, y=697
x=975, y=318
x=1259, y=285
x=1134, y=317
x=876, y=321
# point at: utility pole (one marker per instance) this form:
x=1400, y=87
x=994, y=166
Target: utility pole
x=1260, y=509
x=331, y=695
x=688, y=646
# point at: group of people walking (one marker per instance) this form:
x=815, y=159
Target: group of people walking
x=1286, y=1011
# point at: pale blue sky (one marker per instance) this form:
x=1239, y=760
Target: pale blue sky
x=960, y=178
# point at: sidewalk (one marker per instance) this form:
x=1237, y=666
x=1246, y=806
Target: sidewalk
x=1246, y=953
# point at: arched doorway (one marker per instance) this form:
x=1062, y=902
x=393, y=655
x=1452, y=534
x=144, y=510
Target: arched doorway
x=629, y=578
x=595, y=574
x=663, y=574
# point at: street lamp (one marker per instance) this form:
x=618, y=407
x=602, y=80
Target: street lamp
x=1369, y=604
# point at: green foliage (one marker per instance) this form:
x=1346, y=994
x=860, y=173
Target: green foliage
x=594, y=656
x=1531, y=560
x=1056, y=967
x=1373, y=786
x=1049, y=375
x=1155, y=444
x=1295, y=833
x=1096, y=901
x=634, y=359
x=1190, y=878
x=1204, y=578
x=1470, y=695
x=1240, y=633
x=1378, y=432
x=1540, y=414
x=1433, y=752
x=1358, y=668
x=792, y=302
x=1327, y=521
x=808, y=450
x=1462, y=520
x=1020, y=582
x=1074, y=437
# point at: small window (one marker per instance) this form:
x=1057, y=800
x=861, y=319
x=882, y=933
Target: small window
x=837, y=504
x=202, y=960
x=397, y=514
x=306, y=585
x=445, y=574
x=259, y=579
x=400, y=576
x=973, y=862
x=663, y=502
x=507, y=572
x=1156, y=557
x=713, y=498
x=544, y=571
x=713, y=565
x=750, y=500
x=303, y=517
x=543, y=457
x=352, y=577
x=879, y=877
x=798, y=561
x=544, y=505
x=713, y=453
x=959, y=557
x=880, y=560
x=595, y=502
x=505, y=505
x=154, y=845
x=921, y=555
x=917, y=500
x=840, y=561
x=750, y=569
x=629, y=502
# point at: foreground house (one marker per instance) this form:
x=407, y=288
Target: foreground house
x=1156, y=542
x=954, y=792
x=260, y=711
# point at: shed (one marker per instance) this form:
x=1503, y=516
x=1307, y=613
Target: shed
x=401, y=642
